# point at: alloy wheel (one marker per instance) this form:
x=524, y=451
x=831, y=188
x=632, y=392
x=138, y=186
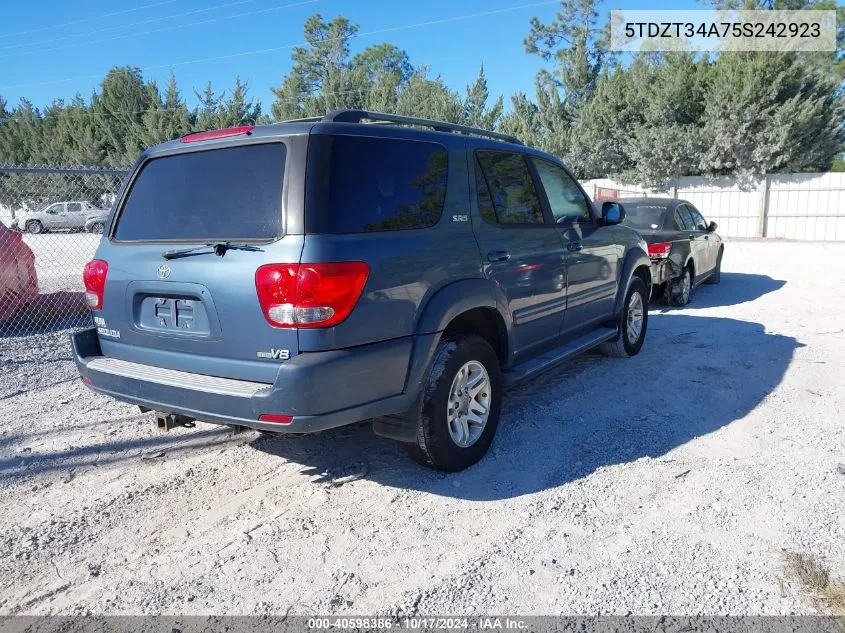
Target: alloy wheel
x=468, y=407
x=634, y=324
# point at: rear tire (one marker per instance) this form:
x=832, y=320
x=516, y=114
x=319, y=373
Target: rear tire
x=464, y=386
x=716, y=276
x=35, y=227
x=679, y=289
x=629, y=341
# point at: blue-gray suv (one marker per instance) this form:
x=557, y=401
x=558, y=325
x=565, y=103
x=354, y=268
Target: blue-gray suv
x=314, y=273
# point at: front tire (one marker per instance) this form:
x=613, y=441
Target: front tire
x=633, y=323
x=460, y=405
x=716, y=276
x=97, y=228
x=34, y=227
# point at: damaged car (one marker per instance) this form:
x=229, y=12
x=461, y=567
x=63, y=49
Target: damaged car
x=684, y=248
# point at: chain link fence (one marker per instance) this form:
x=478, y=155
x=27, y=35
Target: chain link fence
x=51, y=218
x=50, y=225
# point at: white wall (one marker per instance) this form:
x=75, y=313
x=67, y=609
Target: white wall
x=807, y=206
x=794, y=206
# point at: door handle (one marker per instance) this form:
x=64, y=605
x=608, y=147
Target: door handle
x=691, y=236
x=574, y=247
x=498, y=256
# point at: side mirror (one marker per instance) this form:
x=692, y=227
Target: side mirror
x=612, y=213
x=712, y=226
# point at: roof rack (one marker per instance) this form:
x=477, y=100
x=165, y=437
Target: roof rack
x=356, y=116
x=307, y=119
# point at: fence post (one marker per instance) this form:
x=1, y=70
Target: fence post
x=764, y=208
x=674, y=190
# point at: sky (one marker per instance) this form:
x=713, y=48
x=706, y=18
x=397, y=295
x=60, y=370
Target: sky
x=56, y=49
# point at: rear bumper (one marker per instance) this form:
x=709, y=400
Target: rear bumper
x=319, y=390
x=662, y=270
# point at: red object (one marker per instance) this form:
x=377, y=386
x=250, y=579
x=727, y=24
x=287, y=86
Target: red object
x=273, y=417
x=602, y=193
x=660, y=249
x=212, y=134
x=309, y=295
x=94, y=277
x=18, y=281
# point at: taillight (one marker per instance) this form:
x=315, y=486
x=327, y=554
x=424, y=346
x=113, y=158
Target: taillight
x=212, y=134
x=660, y=250
x=309, y=295
x=94, y=277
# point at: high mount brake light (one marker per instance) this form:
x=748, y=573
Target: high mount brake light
x=213, y=134
x=660, y=250
x=94, y=278
x=309, y=295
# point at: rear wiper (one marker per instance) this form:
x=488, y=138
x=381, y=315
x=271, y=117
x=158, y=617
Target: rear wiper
x=218, y=249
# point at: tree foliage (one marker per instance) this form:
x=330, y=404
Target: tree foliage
x=650, y=120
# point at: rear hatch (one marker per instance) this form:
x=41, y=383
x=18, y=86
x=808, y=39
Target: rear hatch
x=186, y=241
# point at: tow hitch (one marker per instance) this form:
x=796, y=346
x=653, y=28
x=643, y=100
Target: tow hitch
x=167, y=421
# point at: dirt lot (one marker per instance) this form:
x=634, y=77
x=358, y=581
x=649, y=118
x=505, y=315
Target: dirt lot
x=667, y=483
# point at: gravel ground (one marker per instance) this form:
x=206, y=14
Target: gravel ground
x=60, y=257
x=667, y=483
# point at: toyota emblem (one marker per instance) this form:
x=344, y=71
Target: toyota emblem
x=163, y=271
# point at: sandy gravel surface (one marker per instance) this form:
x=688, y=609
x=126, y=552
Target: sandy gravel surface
x=669, y=482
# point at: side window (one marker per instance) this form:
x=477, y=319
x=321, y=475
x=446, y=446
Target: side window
x=700, y=222
x=689, y=223
x=74, y=207
x=681, y=223
x=379, y=184
x=510, y=189
x=565, y=198
x=55, y=209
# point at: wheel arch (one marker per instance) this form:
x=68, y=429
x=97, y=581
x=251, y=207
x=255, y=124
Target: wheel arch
x=637, y=263
x=457, y=297
x=486, y=323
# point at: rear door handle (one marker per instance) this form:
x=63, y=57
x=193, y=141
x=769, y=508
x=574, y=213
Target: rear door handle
x=574, y=247
x=498, y=256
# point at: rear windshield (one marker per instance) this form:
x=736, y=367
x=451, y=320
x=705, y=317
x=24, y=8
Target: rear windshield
x=223, y=194
x=642, y=216
x=359, y=184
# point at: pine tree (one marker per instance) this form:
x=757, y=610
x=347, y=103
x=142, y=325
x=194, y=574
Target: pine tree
x=238, y=109
x=767, y=114
x=119, y=109
x=576, y=46
x=429, y=99
x=207, y=112
x=476, y=111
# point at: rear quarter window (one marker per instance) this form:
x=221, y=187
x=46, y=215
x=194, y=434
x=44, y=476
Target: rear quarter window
x=233, y=193
x=360, y=184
